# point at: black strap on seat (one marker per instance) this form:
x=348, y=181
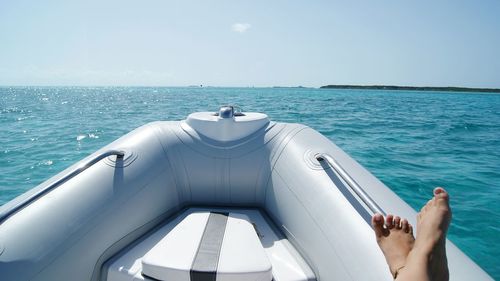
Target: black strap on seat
x=204, y=267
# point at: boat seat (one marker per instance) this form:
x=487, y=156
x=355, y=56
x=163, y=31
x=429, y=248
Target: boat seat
x=209, y=246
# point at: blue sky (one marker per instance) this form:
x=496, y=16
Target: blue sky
x=250, y=43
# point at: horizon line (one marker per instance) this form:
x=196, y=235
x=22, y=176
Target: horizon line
x=331, y=86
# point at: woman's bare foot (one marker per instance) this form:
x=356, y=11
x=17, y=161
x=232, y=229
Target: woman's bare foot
x=432, y=225
x=395, y=239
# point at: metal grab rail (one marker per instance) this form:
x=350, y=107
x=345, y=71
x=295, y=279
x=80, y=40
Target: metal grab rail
x=352, y=183
x=33, y=197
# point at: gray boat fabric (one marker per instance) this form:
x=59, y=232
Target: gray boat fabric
x=204, y=266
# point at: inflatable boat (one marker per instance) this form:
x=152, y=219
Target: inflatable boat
x=219, y=196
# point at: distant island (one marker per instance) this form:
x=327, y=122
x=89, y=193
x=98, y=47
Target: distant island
x=410, y=88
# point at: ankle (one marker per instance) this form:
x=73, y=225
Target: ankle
x=421, y=252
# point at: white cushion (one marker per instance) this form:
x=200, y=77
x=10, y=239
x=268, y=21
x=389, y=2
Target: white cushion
x=241, y=255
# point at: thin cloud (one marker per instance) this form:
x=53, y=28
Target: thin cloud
x=241, y=27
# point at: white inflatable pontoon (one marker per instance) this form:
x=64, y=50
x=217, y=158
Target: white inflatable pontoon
x=219, y=196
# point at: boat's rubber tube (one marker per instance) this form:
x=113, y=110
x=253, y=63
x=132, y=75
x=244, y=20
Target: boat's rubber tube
x=64, y=234
x=326, y=220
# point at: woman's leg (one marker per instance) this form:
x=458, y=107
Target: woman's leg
x=427, y=258
x=395, y=238
x=429, y=251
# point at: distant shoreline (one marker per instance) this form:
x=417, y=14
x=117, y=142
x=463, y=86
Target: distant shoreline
x=410, y=88
x=348, y=87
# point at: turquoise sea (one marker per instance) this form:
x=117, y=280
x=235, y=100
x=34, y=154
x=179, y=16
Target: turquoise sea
x=411, y=140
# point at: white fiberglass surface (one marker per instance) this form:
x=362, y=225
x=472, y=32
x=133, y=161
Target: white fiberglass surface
x=286, y=262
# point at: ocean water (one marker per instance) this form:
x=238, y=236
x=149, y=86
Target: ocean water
x=412, y=141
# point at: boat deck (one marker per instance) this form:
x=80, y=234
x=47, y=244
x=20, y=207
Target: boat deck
x=287, y=264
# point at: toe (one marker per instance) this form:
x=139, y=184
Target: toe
x=389, y=221
x=378, y=225
x=404, y=225
x=397, y=222
x=410, y=229
x=440, y=193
